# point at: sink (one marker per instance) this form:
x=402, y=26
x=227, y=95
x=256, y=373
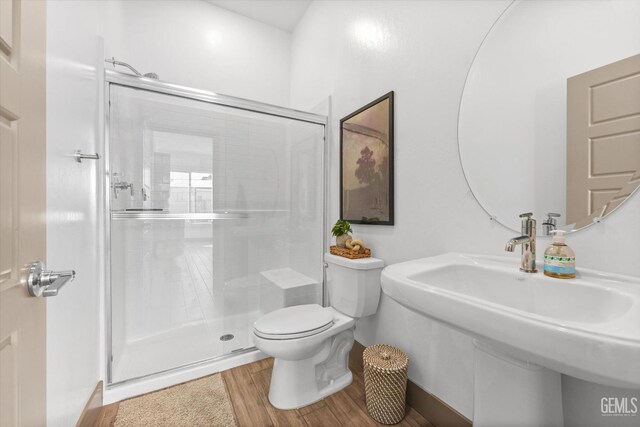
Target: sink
x=587, y=327
x=574, y=301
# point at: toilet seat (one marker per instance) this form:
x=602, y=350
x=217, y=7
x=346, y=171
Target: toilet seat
x=294, y=322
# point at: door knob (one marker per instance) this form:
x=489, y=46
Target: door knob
x=47, y=283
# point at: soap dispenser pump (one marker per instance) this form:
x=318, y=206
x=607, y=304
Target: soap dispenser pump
x=559, y=259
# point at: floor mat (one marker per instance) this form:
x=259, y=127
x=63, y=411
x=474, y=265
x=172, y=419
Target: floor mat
x=202, y=402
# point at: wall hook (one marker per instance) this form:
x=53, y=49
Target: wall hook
x=79, y=156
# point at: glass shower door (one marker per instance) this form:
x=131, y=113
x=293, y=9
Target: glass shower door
x=215, y=219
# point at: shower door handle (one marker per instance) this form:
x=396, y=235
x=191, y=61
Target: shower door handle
x=46, y=283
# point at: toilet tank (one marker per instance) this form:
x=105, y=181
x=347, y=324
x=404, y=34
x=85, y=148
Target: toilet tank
x=354, y=284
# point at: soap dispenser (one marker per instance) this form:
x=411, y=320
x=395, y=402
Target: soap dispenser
x=559, y=259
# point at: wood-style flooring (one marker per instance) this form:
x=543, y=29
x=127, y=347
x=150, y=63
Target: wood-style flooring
x=248, y=386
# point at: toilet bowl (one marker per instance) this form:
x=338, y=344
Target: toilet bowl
x=311, y=343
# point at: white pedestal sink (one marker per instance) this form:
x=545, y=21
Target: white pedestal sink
x=527, y=329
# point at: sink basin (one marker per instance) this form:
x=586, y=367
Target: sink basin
x=587, y=327
x=574, y=301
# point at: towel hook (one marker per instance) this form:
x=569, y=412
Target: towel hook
x=79, y=156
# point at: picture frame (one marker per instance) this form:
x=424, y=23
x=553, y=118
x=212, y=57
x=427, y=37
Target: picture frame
x=366, y=164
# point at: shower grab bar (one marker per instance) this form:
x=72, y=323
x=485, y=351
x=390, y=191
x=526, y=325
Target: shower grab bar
x=182, y=216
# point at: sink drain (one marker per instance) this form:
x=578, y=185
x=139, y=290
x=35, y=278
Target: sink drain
x=226, y=337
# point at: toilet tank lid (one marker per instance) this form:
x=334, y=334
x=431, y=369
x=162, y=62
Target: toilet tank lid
x=356, y=264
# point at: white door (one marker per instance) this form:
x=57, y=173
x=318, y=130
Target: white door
x=22, y=211
x=603, y=139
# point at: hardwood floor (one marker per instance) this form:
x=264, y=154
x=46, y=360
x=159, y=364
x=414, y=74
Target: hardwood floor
x=248, y=386
x=108, y=416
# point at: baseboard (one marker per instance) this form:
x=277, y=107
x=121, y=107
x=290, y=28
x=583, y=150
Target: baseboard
x=426, y=404
x=433, y=409
x=92, y=409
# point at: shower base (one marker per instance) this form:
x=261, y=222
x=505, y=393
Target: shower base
x=182, y=346
x=135, y=387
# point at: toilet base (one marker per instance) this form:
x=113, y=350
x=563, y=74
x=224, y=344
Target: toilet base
x=298, y=383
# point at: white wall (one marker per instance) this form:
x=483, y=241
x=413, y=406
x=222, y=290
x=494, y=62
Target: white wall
x=191, y=43
x=355, y=51
x=73, y=317
x=196, y=44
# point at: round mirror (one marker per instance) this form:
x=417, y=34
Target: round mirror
x=549, y=120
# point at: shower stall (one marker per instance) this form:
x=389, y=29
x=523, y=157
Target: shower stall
x=214, y=217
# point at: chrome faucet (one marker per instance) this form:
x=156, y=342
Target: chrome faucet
x=118, y=185
x=549, y=224
x=528, y=242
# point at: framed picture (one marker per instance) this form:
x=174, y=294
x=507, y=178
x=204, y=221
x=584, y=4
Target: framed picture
x=366, y=163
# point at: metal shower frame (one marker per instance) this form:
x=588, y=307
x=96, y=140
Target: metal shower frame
x=148, y=84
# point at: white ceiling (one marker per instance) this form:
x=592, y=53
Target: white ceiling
x=283, y=14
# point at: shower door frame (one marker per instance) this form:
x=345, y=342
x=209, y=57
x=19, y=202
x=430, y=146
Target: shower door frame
x=128, y=80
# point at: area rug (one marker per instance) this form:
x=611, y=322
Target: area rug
x=202, y=402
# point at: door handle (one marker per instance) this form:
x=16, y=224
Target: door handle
x=46, y=283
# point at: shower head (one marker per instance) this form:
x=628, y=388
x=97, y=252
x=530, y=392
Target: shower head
x=136, y=72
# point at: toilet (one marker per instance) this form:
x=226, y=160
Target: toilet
x=311, y=343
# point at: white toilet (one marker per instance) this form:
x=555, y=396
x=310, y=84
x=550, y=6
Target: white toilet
x=311, y=343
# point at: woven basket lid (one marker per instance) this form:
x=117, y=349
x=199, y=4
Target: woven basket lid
x=385, y=357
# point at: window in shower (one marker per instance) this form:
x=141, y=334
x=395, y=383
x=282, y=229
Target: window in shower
x=191, y=189
x=215, y=218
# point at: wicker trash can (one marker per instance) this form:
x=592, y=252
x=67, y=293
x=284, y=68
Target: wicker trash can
x=385, y=382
